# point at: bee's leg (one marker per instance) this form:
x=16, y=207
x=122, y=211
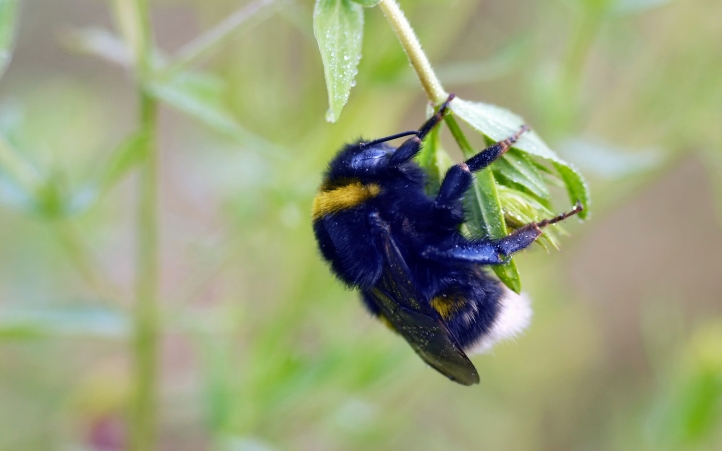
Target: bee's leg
x=458, y=178
x=456, y=182
x=489, y=252
x=411, y=146
x=480, y=252
x=524, y=236
x=494, y=151
x=434, y=120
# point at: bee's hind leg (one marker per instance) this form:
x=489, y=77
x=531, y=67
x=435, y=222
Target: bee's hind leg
x=492, y=252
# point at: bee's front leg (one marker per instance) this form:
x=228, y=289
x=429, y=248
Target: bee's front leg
x=411, y=146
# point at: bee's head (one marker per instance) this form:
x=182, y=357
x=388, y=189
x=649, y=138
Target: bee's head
x=361, y=160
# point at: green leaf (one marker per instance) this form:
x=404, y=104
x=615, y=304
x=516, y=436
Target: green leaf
x=521, y=208
x=434, y=160
x=576, y=186
x=498, y=123
x=200, y=95
x=8, y=26
x=367, y=3
x=516, y=167
x=67, y=322
x=338, y=27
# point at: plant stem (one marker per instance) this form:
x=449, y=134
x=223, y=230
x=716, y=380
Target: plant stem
x=430, y=82
x=146, y=306
x=146, y=318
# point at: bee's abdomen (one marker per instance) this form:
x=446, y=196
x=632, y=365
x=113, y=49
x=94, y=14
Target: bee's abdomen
x=468, y=307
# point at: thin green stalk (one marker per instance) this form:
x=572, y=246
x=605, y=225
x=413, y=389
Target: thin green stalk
x=146, y=316
x=430, y=82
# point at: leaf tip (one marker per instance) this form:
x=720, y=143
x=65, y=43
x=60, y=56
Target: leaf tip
x=331, y=116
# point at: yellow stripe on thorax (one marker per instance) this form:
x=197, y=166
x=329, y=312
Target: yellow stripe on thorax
x=343, y=198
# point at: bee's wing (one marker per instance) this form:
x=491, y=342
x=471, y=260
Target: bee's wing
x=416, y=321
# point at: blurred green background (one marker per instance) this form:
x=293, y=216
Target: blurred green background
x=261, y=348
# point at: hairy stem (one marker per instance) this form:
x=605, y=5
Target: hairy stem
x=430, y=82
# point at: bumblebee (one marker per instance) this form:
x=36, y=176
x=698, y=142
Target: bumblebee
x=403, y=250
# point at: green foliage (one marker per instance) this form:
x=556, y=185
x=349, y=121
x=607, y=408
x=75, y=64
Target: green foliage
x=498, y=123
x=338, y=26
x=576, y=186
x=517, y=168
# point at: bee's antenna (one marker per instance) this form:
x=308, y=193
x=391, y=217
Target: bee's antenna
x=388, y=138
x=577, y=208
